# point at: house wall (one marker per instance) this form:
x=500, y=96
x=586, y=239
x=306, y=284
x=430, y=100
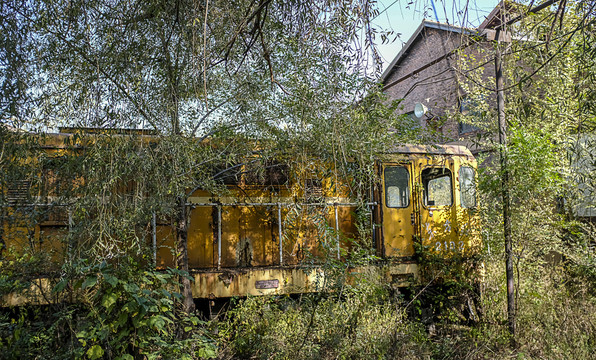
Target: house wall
x=436, y=85
x=424, y=75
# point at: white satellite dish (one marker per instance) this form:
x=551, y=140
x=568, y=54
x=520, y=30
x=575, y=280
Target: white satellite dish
x=420, y=110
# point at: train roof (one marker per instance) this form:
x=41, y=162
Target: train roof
x=457, y=150
x=57, y=140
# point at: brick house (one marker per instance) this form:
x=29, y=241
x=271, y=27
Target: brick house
x=428, y=70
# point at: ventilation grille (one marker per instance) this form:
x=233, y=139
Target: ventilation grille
x=58, y=214
x=18, y=191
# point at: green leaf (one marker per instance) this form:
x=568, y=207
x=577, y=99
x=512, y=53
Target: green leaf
x=109, y=299
x=157, y=322
x=95, y=352
x=89, y=282
x=110, y=279
x=131, y=287
x=60, y=286
x=207, y=352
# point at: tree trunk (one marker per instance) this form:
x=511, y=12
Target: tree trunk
x=188, y=304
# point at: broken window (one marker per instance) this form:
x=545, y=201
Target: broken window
x=227, y=174
x=467, y=186
x=437, y=187
x=267, y=174
x=277, y=174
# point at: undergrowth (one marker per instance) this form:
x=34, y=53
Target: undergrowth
x=365, y=322
x=127, y=313
x=556, y=319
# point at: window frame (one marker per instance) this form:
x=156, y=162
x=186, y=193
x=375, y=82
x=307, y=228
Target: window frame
x=408, y=191
x=425, y=182
x=461, y=198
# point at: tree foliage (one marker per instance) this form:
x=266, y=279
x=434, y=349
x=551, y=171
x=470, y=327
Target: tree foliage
x=214, y=83
x=550, y=118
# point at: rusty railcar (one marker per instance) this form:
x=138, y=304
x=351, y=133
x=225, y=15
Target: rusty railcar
x=268, y=236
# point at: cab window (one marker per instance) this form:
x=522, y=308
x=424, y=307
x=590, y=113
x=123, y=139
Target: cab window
x=467, y=186
x=397, y=191
x=437, y=187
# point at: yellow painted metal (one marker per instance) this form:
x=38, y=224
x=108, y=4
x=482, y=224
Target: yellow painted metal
x=444, y=229
x=249, y=261
x=448, y=229
x=256, y=281
x=287, y=280
x=398, y=225
x=438, y=221
x=239, y=282
x=39, y=292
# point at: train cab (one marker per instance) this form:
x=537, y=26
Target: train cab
x=428, y=194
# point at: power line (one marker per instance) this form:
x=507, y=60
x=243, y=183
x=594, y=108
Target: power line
x=387, y=8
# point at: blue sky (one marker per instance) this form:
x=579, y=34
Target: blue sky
x=404, y=17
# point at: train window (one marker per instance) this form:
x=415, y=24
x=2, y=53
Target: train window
x=266, y=173
x=278, y=174
x=437, y=187
x=397, y=192
x=227, y=174
x=467, y=186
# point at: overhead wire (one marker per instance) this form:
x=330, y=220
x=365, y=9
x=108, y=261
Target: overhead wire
x=386, y=8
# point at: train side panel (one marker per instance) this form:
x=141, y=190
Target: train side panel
x=270, y=239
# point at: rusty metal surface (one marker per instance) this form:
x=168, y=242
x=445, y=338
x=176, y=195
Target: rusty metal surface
x=431, y=150
x=283, y=280
x=245, y=282
x=256, y=281
x=254, y=241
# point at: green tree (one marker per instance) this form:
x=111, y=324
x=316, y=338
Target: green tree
x=290, y=74
x=546, y=67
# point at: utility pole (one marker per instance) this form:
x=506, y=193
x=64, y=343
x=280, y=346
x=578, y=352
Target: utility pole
x=505, y=187
x=500, y=35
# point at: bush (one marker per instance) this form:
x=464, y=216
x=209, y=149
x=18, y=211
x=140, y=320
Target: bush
x=120, y=312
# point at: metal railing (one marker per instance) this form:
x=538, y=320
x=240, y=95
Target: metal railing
x=279, y=206
x=219, y=206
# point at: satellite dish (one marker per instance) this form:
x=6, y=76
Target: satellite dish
x=420, y=110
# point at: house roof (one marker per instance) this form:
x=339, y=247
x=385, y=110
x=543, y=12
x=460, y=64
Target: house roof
x=492, y=21
x=416, y=37
x=495, y=19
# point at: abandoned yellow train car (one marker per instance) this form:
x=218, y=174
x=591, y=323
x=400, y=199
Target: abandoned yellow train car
x=267, y=238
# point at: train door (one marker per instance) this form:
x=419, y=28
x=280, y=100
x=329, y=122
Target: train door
x=437, y=207
x=397, y=210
